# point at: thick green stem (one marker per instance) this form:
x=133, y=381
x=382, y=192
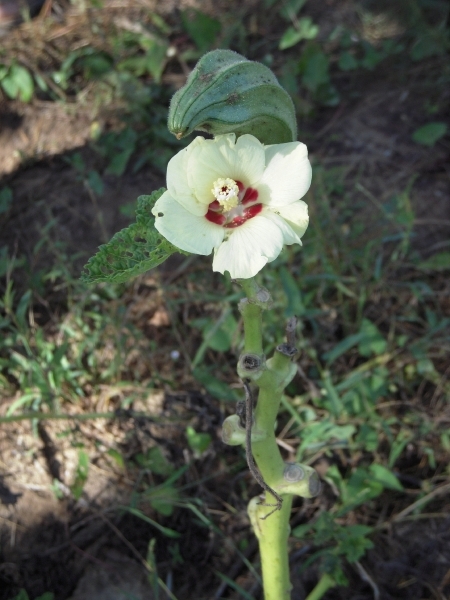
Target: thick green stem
x=271, y=527
x=272, y=533
x=265, y=452
x=251, y=311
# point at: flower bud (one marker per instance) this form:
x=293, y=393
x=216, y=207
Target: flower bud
x=226, y=93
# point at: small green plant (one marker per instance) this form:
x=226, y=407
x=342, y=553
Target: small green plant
x=152, y=62
x=198, y=442
x=337, y=543
x=304, y=29
x=312, y=70
x=16, y=81
x=202, y=28
x=429, y=134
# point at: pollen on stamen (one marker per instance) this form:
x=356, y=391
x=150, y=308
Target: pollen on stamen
x=226, y=192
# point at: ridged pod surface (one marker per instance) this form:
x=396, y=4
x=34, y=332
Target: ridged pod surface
x=226, y=93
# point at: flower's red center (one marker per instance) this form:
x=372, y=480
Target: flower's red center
x=247, y=208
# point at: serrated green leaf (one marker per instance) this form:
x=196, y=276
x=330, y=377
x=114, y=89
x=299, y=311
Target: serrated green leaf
x=132, y=251
x=353, y=542
x=361, y=487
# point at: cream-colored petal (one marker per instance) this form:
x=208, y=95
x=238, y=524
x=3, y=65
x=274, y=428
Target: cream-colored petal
x=296, y=214
x=287, y=176
x=177, y=179
x=248, y=248
x=183, y=229
x=222, y=157
x=249, y=160
x=288, y=232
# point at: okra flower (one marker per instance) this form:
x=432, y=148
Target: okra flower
x=239, y=198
